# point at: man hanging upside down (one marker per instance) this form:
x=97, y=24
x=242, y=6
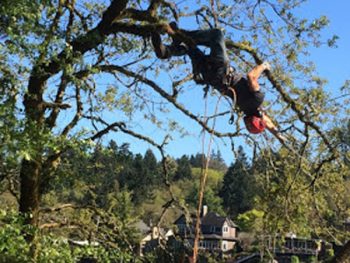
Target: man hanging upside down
x=214, y=70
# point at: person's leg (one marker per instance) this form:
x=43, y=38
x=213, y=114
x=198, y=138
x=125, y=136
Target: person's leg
x=159, y=48
x=166, y=51
x=198, y=60
x=212, y=38
x=216, y=66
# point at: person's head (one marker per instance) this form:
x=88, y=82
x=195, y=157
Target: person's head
x=254, y=124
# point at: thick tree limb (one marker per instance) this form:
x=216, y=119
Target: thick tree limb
x=54, y=105
x=139, y=15
x=140, y=30
x=42, y=71
x=58, y=225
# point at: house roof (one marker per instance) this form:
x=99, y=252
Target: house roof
x=211, y=218
x=142, y=227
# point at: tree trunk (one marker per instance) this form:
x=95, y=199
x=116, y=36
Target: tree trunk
x=343, y=255
x=29, y=199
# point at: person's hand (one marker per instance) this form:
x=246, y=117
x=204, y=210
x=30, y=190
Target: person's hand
x=266, y=65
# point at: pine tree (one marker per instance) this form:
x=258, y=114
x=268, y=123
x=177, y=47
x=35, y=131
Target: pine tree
x=151, y=167
x=217, y=162
x=238, y=186
x=183, y=170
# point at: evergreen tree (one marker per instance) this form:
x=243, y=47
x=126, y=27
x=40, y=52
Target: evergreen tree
x=183, y=170
x=238, y=186
x=198, y=160
x=141, y=177
x=217, y=162
x=211, y=199
x=151, y=167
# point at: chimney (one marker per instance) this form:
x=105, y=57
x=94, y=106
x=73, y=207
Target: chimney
x=205, y=210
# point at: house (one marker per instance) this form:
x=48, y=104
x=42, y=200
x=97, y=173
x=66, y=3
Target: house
x=154, y=237
x=218, y=233
x=285, y=248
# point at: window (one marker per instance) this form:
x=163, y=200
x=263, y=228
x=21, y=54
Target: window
x=225, y=229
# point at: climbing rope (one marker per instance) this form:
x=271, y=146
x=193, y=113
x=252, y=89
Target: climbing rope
x=203, y=178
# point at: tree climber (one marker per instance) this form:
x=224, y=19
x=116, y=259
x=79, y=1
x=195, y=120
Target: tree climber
x=214, y=70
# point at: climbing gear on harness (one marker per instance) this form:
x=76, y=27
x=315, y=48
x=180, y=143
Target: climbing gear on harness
x=234, y=100
x=206, y=90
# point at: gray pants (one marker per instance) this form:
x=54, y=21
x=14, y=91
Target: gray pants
x=207, y=69
x=214, y=39
x=210, y=69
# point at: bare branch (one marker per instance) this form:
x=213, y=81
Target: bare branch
x=71, y=7
x=78, y=114
x=52, y=30
x=110, y=127
x=54, y=105
x=168, y=97
x=51, y=119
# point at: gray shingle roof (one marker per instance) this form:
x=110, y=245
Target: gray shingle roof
x=210, y=219
x=213, y=219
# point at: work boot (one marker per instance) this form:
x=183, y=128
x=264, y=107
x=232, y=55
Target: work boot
x=176, y=40
x=174, y=25
x=160, y=50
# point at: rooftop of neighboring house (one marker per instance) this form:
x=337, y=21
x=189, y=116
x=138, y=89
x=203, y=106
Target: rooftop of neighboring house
x=213, y=219
x=207, y=219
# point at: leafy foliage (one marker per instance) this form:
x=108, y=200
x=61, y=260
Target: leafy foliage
x=50, y=248
x=72, y=72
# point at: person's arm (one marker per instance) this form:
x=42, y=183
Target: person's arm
x=271, y=127
x=254, y=75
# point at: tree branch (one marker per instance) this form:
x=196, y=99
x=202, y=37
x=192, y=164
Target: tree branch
x=51, y=119
x=169, y=98
x=78, y=113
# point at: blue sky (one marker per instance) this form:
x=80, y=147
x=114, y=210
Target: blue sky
x=331, y=63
